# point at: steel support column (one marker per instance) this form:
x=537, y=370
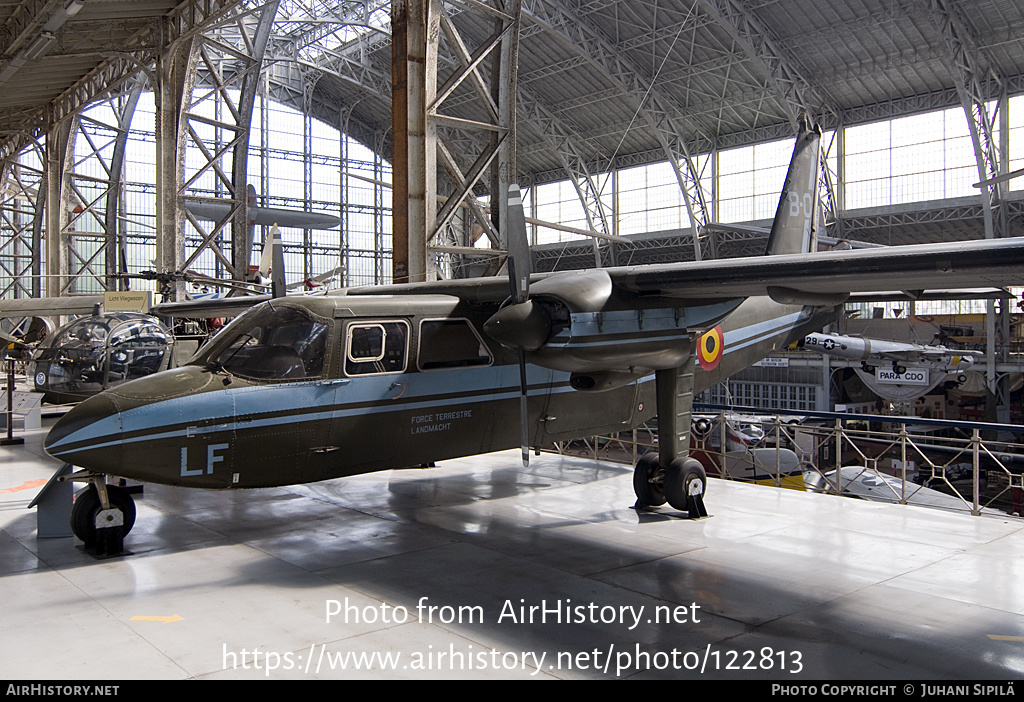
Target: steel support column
x=175, y=76
x=426, y=133
x=977, y=84
x=414, y=72
x=57, y=147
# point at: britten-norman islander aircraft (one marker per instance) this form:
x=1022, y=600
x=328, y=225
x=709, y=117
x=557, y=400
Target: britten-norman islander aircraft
x=305, y=389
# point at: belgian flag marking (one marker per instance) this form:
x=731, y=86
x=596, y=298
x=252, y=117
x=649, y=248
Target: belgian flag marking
x=709, y=349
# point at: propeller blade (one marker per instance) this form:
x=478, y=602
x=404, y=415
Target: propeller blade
x=524, y=417
x=520, y=287
x=518, y=244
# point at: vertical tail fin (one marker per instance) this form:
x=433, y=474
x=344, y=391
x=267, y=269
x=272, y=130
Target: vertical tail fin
x=795, y=227
x=272, y=262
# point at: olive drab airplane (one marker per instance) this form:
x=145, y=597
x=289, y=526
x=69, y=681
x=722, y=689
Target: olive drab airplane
x=313, y=388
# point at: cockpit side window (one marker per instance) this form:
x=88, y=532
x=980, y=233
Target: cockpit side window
x=450, y=343
x=376, y=347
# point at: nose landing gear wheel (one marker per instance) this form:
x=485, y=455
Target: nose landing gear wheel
x=648, y=480
x=99, y=528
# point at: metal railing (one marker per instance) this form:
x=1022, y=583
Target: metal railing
x=968, y=466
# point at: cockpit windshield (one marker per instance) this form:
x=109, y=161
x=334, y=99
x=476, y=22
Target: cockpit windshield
x=270, y=343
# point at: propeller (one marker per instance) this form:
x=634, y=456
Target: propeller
x=519, y=249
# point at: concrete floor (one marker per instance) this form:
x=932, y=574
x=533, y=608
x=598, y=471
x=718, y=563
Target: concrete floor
x=433, y=574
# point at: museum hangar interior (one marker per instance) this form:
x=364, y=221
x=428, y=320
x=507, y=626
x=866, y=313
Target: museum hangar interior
x=640, y=133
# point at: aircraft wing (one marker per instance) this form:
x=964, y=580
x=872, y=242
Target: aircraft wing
x=936, y=294
x=939, y=352
x=50, y=306
x=799, y=278
x=919, y=267
x=77, y=305
x=908, y=355
x=207, y=308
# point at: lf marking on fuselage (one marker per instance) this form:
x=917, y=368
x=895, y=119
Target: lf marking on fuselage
x=212, y=458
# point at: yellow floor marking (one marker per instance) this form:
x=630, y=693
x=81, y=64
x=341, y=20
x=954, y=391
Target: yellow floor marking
x=165, y=620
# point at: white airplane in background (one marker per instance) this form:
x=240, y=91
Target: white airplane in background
x=874, y=352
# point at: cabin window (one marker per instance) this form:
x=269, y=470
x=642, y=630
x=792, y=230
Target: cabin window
x=376, y=347
x=450, y=343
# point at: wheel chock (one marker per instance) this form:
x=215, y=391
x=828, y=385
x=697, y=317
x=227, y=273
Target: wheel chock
x=109, y=537
x=695, y=501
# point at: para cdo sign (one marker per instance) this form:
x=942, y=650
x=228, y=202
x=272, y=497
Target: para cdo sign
x=912, y=376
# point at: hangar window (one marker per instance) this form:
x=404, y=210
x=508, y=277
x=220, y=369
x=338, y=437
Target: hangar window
x=376, y=347
x=450, y=343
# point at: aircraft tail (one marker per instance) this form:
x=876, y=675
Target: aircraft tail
x=272, y=262
x=795, y=227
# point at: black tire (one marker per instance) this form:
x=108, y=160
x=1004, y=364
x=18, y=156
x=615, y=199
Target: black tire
x=680, y=477
x=87, y=506
x=649, y=494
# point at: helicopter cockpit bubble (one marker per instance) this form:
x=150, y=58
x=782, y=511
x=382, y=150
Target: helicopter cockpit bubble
x=91, y=354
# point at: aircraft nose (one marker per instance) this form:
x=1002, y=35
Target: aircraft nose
x=88, y=436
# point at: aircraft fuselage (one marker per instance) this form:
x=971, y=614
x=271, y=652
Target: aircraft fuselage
x=325, y=387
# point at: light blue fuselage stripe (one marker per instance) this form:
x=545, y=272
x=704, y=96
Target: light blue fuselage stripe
x=271, y=399
x=741, y=338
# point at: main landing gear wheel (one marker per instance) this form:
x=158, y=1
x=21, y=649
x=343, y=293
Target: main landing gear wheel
x=89, y=521
x=684, y=486
x=647, y=481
